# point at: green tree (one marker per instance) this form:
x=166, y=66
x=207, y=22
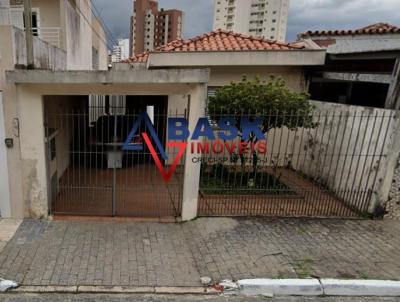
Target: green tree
x=272, y=100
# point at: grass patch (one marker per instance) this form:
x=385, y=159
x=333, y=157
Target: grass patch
x=220, y=180
x=303, y=267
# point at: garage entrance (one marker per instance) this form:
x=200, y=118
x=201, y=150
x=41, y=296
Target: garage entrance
x=88, y=171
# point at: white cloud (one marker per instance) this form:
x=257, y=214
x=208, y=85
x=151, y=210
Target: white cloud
x=340, y=14
x=304, y=14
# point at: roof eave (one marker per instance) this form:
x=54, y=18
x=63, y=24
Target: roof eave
x=303, y=57
x=110, y=77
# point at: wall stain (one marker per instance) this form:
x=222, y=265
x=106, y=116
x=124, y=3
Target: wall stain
x=34, y=197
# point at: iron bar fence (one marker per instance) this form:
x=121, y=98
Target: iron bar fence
x=324, y=163
x=318, y=164
x=91, y=174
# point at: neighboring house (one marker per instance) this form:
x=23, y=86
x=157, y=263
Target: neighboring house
x=60, y=163
x=260, y=18
x=69, y=155
x=67, y=36
x=361, y=66
x=69, y=26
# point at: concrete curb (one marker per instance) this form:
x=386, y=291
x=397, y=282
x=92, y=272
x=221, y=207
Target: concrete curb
x=319, y=287
x=333, y=287
x=281, y=287
x=247, y=287
x=115, y=290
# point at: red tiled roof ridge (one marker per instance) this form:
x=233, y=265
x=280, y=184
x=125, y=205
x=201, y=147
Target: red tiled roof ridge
x=218, y=40
x=376, y=28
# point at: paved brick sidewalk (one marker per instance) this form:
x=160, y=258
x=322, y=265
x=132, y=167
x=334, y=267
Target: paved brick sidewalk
x=8, y=227
x=152, y=254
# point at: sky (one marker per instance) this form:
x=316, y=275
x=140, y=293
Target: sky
x=304, y=15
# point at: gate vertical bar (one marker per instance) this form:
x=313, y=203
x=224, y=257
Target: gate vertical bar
x=115, y=140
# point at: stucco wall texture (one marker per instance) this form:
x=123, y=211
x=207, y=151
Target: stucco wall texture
x=393, y=205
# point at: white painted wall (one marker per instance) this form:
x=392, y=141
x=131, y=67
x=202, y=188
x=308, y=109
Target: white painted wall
x=99, y=41
x=352, y=152
x=191, y=179
x=33, y=158
x=46, y=56
x=5, y=208
x=5, y=18
x=361, y=43
x=242, y=16
x=78, y=33
x=347, y=153
x=177, y=106
x=293, y=75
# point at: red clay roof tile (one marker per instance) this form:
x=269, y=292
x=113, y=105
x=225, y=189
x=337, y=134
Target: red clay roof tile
x=219, y=40
x=378, y=28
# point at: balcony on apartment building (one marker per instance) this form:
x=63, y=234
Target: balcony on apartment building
x=46, y=41
x=49, y=34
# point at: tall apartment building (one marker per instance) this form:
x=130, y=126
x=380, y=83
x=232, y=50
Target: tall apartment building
x=260, y=18
x=121, y=51
x=151, y=27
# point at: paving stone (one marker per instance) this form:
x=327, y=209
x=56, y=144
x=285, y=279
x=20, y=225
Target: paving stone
x=172, y=255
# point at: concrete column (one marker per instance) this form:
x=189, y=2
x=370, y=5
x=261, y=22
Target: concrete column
x=5, y=207
x=191, y=182
x=33, y=158
x=150, y=113
x=7, y=62
x=389, y=166
x=5, y=12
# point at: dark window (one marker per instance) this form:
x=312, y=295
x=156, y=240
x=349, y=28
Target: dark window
x=53, y=148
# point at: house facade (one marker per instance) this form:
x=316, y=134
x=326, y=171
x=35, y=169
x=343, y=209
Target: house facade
x=68, y=165
x=230, y=56
x=99, y=143
x=362, y=66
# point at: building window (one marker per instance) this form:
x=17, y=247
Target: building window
x=53, y=149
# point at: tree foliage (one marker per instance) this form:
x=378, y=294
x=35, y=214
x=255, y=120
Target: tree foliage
x=272, y=100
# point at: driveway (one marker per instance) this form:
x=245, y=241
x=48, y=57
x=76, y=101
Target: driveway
x=154, y=254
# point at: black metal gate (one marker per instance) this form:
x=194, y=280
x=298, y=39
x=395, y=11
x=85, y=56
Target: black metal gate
x=91, y=174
